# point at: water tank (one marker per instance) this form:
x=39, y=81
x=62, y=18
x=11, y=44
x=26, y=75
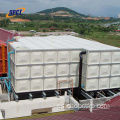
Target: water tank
x=42, y=63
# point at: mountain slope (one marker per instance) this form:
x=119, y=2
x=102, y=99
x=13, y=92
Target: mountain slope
x=61, y=11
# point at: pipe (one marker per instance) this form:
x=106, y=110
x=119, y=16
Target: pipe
x=12, y=52
x=8, y=44
x=2, y=78
x=80, y=74
x=14, y=94
x=8, y=85
x=10, y=41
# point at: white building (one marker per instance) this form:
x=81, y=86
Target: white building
x=118, y=15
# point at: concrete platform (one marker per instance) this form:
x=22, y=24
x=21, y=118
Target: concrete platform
x=37, y=106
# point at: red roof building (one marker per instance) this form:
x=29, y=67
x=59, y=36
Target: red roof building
x=117, y=30
x=7, y=35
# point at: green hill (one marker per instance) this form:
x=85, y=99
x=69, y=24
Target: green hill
x=61, y=11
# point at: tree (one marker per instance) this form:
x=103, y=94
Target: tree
x=4, y=22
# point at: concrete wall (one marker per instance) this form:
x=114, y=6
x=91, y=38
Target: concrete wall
x=25, y=107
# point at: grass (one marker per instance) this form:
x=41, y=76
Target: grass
x=105, y=38
x=28, y=34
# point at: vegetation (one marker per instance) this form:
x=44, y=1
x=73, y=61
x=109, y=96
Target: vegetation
x=72, y=12
x=4, y=22
x=105, y=38
x=88, y=29
x=35, y=17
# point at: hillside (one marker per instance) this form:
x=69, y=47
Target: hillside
x=61, y=11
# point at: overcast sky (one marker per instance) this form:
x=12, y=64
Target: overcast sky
x=94, y=7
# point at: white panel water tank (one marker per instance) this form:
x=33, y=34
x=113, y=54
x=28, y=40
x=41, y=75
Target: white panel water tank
x=101, y=65
x=50, y=63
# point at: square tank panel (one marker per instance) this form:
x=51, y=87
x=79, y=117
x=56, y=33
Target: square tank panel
x=104, y=83
x=74, y=55
x=22, y=58
x=50, y=57
x=22, y=86
x=75, y=80
x=92, y=71
x=22, y=72
x=93, y=57
x=90, y=84
x=63, y=56
x=36, y=57
x=36, y=84
x=115, y=70
x=116, y=57
x=63, y=82
x=74, y=69
x=114, y=82
x=63, y=69
x=105, y=70
x=49, y=70
x=36, y=71
x=105, y=57
x=50, y=83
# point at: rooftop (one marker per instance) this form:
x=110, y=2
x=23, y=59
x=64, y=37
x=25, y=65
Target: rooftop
x=59, y=42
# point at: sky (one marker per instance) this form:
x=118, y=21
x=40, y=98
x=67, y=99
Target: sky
x=106, y=8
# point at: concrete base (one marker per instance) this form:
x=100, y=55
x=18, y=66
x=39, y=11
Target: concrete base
x=29, y=107
x=0, y=89
x=1, y=116
x=4, y=97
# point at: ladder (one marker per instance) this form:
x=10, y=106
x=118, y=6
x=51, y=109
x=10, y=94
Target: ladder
x=70, y=83
x=3, y=59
